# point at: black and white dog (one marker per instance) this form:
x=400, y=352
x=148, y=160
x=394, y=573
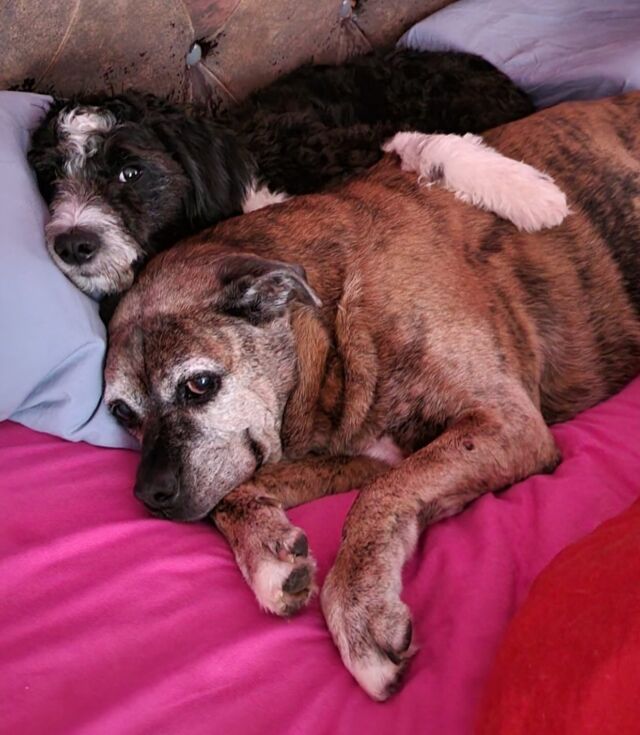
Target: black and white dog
x=126, y=176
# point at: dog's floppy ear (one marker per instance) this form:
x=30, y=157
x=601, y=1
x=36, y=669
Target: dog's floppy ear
x=260, y=290
x=43, y=155
x=218, y=167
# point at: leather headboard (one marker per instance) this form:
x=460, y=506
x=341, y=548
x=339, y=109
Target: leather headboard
x=70, y=46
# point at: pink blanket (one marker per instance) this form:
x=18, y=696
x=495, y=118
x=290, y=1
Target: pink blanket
x=112, y=622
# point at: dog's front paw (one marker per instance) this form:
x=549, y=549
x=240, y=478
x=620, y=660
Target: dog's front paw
x=371, y=627
x=283, y=576
x=274, y=558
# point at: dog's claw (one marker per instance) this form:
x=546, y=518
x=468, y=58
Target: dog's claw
x=287, y=550
x=399, y=656
x=298, y=581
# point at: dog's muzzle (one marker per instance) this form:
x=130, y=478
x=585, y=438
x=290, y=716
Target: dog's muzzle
x=158, y=478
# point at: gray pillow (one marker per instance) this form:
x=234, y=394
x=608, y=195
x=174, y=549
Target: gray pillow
x=52, y=342
x=554, y=49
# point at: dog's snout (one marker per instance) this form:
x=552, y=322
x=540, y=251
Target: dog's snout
x=158, y=491
x=76, y=247
x=158, y=479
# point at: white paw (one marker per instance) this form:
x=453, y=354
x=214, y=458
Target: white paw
x=283, y=587
x=408, y=147
x=481, y=176
x=372, y=629
x=273, y=556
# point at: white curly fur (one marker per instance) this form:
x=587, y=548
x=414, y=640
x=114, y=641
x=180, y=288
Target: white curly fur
x=480, y=175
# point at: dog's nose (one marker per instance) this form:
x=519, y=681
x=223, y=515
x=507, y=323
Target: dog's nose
x=158, y=492
x=76, y=247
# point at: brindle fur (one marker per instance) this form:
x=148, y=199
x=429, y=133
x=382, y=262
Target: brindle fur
x=441, y=327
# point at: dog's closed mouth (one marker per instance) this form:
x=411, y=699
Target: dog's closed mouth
x=256, y=450
x=158, y=512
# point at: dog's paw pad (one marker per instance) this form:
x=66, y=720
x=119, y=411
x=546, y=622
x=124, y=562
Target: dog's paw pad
x=275, y=560
x=284, y=587
x=298, y=581
x=296, y=545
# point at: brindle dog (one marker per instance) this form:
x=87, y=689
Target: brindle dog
x=420, y=323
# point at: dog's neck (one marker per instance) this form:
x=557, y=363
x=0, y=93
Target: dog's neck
x=312, y=345
x=223, y=172
x=336, y=377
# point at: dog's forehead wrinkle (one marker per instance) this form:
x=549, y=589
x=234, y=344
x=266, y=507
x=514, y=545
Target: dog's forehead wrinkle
x=170, y=350
x=192, y=364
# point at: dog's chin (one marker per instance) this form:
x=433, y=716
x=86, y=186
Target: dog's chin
x=100, y=285
x=193, y=513
x=99, y=278
x=182, y=515
x=192, y=508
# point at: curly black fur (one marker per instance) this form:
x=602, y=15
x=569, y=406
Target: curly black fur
x=305, y=131
x=169, y=202
x=322, y=123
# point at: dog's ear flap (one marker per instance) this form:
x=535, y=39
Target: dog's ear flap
x=43, y=155
x=216, y=164
x=260, y=290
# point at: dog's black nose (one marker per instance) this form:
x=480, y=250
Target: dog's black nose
x=158, y=492
x=76, y=247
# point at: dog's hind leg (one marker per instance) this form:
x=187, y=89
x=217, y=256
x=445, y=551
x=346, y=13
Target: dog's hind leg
x=483, y=450
x=271, y=552
x=481, y=176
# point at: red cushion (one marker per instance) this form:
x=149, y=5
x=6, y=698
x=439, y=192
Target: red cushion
x=570, y=661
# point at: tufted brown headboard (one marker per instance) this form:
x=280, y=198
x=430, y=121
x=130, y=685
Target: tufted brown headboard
x=70, y=46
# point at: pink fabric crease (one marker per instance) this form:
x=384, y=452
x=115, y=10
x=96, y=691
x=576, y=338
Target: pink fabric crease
x=113, y=622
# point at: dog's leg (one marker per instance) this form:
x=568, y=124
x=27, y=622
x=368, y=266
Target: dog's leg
x=271, y=552
x=484, y=450
x=480, y=175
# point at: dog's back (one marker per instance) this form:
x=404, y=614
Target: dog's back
x=580, y=283
x=561, y=305
x=319, y=124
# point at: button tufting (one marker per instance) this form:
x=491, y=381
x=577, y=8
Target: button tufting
x=194, y=55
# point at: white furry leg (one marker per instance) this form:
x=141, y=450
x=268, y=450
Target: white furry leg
x=480, y=175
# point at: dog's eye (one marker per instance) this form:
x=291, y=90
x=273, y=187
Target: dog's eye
x=129, y=174
x=201, y=387
x=122, y=413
